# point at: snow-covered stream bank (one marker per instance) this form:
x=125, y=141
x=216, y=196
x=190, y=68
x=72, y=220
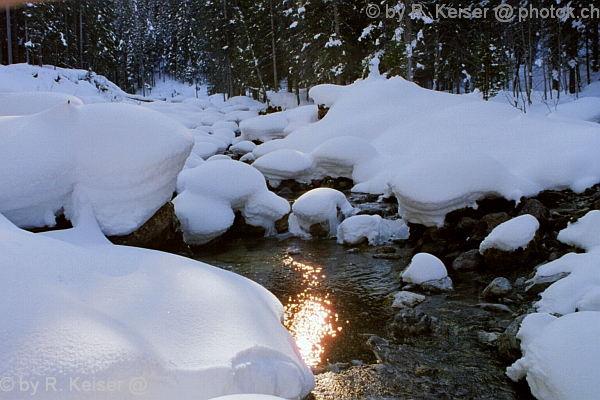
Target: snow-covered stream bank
x=217, y=333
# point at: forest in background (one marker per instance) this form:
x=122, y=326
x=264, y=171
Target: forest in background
x=243, y=47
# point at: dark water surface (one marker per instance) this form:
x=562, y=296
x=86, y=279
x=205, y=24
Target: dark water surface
x=336, y=300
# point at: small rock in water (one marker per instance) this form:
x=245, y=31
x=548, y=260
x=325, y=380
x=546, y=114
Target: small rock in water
x=380, y=347
x=498, y=288
x=385, y=250
x=387, y=256
x=407, y=299
x=411, y=322
x=488, y=338
x=293, y=250
x=494, y=307
x=353, y=250
x=439, y=285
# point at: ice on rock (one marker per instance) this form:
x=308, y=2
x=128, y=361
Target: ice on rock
x=126, y=165
x=210, y=194
x=98, y=312
x=511, y=235
x=319, y=206
x=372, y=228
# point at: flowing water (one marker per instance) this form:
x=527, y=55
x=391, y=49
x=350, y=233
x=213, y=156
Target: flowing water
x=337, y=300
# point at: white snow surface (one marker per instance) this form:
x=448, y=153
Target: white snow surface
x=27, y=103
x=124, y=160
x=88, y=87
x=424, y=267
x=319, y=206
x=167, y=327
x=438, y=152
x=264, y=127
x=247, y=397
x=211, y=193
x=560, y=355
x=561, y=360
x=585, y=233
x=511, y=235
x=373, y=228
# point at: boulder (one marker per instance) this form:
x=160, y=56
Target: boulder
x=468, y=261
x=538, y=210
x=497, y=288
x=407, y=299
x=409, y=322
x=509, y=346
x=161, y=232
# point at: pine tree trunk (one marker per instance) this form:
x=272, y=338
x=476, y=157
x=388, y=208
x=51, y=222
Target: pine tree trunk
x=408, y=35
x=9, y=35
x=274, y=50
x=595, y=41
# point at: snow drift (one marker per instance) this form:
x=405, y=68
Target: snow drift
x=79, y=309
x=435, y=151
x=211, y=193
x=560, y=355
x=123, y=158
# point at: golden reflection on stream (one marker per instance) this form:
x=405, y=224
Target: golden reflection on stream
x=308, y=316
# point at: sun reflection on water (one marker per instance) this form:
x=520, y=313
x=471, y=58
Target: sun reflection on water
x=309, y=315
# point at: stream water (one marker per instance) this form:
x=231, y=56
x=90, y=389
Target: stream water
x=337, y=300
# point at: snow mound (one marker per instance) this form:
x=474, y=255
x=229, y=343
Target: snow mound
x=424, y=267
x=584, y=233
x=285, y=164
x=287, y=100
x=210, y=194
x=334, y=158
x=126, y=164
x=319, y=206
x=242, y=147
x=586, y=109
x=264, y=127
x=561, y=360
x=373, y=228
x=300, y=117
x=511, y=235
x=165, y=327
x=28, y=103
x=85, y=85
x=439, y=152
